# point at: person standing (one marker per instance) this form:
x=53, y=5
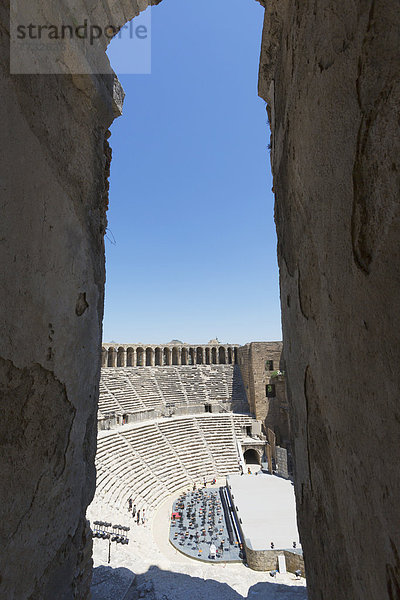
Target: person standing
x=138, y=517
x=129, y=504
x=143, y=517
x=134, y=511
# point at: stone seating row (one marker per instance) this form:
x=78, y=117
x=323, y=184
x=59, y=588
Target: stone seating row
x=241, y=422
x=152, y=460
x=137, y=388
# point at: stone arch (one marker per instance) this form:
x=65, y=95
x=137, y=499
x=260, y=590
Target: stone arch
x=213, y=355
x=140, y=357
x=149, y=357
x=199, y=355
x=130, y=357
x=112, y=357
x=221, y=355
x=184, y=356
x=121, y=357
x=158, y=357
x=229, y=355
x=191, y=357
x=166, y=357
x=251, y=457
x=175, y=356
x=104, y=357
x=207, y=357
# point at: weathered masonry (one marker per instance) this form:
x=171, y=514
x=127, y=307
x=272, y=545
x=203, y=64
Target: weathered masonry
x=259, y=362
x=330, y=74
x=134, y=355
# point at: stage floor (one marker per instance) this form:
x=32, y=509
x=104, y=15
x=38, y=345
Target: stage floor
x=201, y=523
x=267, y=509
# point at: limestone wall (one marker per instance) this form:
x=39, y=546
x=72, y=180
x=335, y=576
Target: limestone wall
x=294, y=561
x=53, y=174
x=253, y=362
x=279, y=411
x=267, y=560
x=330, y=74
x=261, y=560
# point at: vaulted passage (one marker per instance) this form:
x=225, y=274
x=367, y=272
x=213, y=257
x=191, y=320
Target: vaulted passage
x=251, y=457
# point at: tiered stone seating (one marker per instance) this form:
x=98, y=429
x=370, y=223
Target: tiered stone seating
x=219, y=432
x=150, y=461
x=216, y=380
x=190, y=446
x=170, y=384
x=141, y=388
x=158, y=456
x=241, y=422
x=117, y=383
x=239, y=398
x=194, y=383
x=108, y=402
x=143, y=382
x=121, y=472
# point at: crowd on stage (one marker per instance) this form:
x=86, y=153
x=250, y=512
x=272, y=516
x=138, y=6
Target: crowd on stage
x=198, y=524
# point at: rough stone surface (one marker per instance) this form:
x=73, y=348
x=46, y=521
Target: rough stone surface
x=112, y=584
x=279, y=411
x=330, y=75
x=53, y=184
x=255, y=365
x=267, y=560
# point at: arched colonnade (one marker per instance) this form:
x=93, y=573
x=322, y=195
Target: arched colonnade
x=116, y=355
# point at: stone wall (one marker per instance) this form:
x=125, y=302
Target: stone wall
x=281, y=459
x=279, y=411
x=53, y=172
x=294, y=561
x=261, y=560
x=267, y=560
x=256, y=374
x=330, y=75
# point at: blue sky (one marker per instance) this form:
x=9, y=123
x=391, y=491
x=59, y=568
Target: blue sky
x=191, y=207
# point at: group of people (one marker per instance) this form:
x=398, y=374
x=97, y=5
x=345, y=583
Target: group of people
x=197, y=523
x=213, y=482
x=249, y=472
x=138, y=515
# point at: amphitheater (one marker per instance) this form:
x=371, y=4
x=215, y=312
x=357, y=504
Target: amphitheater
x=169, y=428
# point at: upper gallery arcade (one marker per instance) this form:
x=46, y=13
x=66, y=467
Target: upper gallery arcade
x=145, y=355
